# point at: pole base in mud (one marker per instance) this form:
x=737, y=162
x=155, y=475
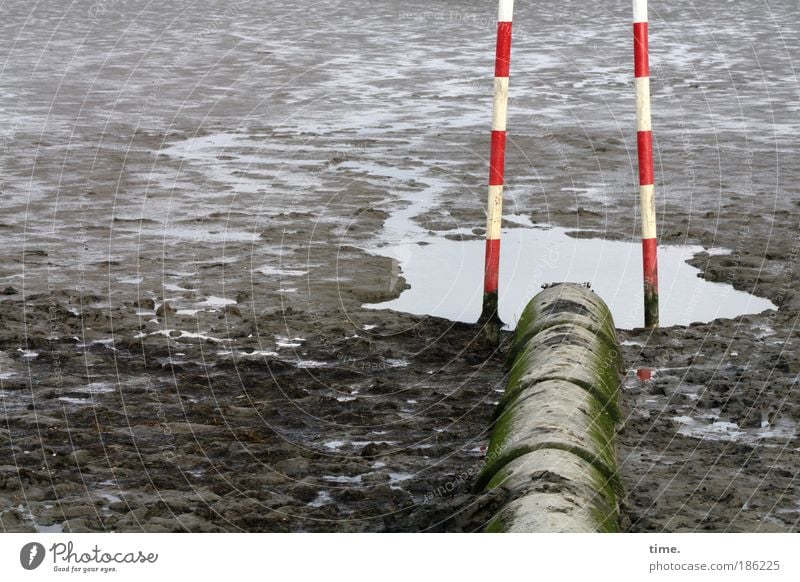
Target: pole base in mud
x=650, y=308
x=490, y=320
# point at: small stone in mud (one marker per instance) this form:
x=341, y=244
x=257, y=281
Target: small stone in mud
x=9, y=291
x=242, y=296
x=76, y=525
x=350, y=494
x=376, y=477
x=80, y=456
x=304, y=492
x=373, y=450
x=232, y=310
x=165, y=309
x=145, y=303
x=292, y=467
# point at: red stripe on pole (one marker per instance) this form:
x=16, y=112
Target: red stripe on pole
x=641, y=64
x=645, y=146
x=497, y=158
x=492, y=265
x=503, y=55
x=650, y=263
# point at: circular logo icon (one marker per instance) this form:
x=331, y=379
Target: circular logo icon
x=31, y=555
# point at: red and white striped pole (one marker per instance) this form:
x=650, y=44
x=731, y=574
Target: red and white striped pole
x=494, y=212
x=644, y=139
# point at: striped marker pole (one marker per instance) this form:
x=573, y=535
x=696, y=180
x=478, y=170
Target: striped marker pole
x=644, y=140
x=494, y=213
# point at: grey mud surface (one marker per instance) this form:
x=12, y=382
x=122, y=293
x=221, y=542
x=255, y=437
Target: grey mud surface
x=192, y=212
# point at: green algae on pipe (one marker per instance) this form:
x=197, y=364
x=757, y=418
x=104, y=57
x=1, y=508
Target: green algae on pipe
x=553, y=414
x=562, y=493
x=563, y=303
x=552, y=443
x=570, y=353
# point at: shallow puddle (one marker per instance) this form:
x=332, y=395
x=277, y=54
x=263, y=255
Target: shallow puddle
x=446, y=278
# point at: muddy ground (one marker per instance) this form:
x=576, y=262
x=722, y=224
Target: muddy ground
x=194, y=202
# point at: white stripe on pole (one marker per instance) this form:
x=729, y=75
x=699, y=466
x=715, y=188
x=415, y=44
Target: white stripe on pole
x=495, y=217
x=640, y=10
x=505, y=10
x=648, y=203
x=643, y=122
x=500, y=109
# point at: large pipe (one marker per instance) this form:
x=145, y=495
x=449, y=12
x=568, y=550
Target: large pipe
x=552, y=443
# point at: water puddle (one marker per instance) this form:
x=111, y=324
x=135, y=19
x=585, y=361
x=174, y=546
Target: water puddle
x=445, y=273
x=178, y=334
x=710, y=428
x=344, y=479
x=358, y=444
x=322, y=498
x=446, y=277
